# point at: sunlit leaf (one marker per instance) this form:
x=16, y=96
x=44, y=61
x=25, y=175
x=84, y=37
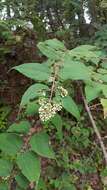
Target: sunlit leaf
x=34, y=71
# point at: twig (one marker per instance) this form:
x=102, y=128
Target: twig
x=95, y=105
x=56, y=68
x=95, y=128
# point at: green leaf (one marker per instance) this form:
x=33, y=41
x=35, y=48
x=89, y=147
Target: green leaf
x=5, y=168
x=74, y=70
x=53, y=49
x=34, y=71
x=32, y=92
x=87, y=52
x=104, y=90
x=104, y=104
x=22, y=181
x=18, y=188
x=20, y=127
x=29, y=165
x=55, y=44
x=70, y=106
x=104, y=172
x=32, y=108
x=100, y=77
x=40, y=144
x=41, y=185
x=4, y=186
x=92, y=91
x=10, y=143
x=4, y=111
x=57, y=122
x=104, y=64
x=102, y=71
x=70, y=187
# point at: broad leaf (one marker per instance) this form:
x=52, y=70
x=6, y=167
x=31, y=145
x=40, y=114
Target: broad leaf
x=5, y=167
x=32, y=108
x=100, y=77
x=29, y=165
x=52, y=48
x=70, y=106
x=10, y=143
x=32, y=92
x=4, y=186
x=57, y=122
x=102, y=71
x=22, y=181
x=40, y=144
x=104, y=90
x=69, y=187
x=74, y=70
x=34, y=71
x=41, y=185
x=18, y=188
x=104, y=64
x=20, y=127
x=87, y=52
x=92, y=91
x=55, y=44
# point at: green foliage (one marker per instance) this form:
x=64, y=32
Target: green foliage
x=10, y=144
x=52, y=126
x=32, y=109
x=4, y=186
x=101, y=37
x=4, y=112
x=34, y=71
x=29, y=164
x=40, y=144
x=87, y=52
x=5, y=168
x=93, y=90
x=22, y=181
x=20, y=127
x=53, y=133
x=80, y=137
x=71, y=107
x=32, y=92
x=52, y=49
x=58, y=123
x=74, y=69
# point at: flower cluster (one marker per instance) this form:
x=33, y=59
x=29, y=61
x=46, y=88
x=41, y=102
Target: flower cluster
x=51, y=79
x=48, y=109
x=63, y=91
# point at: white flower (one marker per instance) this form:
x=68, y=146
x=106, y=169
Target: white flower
x=42, y=101
x=48, y=109
x=51, y=79
x=63, y=91
x=43, y=93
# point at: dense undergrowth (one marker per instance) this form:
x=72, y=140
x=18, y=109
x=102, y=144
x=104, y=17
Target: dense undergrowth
x=52, y=144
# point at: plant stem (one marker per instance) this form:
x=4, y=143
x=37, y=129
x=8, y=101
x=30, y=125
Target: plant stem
x=95, y=128
x=56, y=69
